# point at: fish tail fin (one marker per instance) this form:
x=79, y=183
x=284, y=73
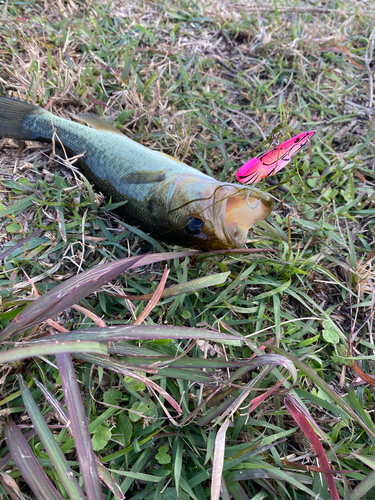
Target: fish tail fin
x=13, y=118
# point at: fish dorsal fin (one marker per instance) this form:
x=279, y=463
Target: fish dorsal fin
x=104, y=126
x=98, y=123
x=172, y=157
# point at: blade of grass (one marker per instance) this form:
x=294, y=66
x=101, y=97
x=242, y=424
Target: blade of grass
x=368, y=484
x=66, y=294
x=62, y=416
x=323, y=386
x=218, y=460
x=143, y=332
x=28, y=436
x=50, y=347
x=109, y=480
x=297, y=480
x=79, y=427
x=361, y=412
x=154, y=299
x=30, y=469
x=77, y=288
x=11, y=487
x=18, y=206
x=119, y=367
x=69, y=444
x=178, y=449
x=19, y=244
x=189, y=287
x=311, y=435
x=53, y=450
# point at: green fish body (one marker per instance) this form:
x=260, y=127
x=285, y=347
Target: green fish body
x=174, y=202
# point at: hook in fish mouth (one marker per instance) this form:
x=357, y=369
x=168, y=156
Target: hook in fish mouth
x=247, y=199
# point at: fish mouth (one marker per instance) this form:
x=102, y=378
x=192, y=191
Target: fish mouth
x=236, y=210
x=216, y=215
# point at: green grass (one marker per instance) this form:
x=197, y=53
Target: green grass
x=208, y=83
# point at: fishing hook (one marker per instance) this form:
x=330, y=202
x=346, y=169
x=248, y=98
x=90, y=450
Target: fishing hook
x=247, y=199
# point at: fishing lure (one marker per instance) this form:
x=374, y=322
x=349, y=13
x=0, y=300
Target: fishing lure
x=271, y=162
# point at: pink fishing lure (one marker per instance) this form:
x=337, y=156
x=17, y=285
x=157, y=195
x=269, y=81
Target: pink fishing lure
x=271, y=162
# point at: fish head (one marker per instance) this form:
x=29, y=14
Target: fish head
x=213, y=215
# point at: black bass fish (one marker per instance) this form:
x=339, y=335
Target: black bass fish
x=174, y=202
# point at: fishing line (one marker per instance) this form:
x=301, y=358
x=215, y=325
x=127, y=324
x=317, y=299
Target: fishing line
x=208, y=198
x=247, y=199
x=214, y=203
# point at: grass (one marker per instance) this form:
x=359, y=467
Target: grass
x=208, y=83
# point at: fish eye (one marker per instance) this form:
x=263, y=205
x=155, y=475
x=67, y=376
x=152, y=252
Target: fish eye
x=194, y=226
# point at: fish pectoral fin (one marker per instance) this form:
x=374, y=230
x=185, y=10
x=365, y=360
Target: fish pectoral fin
x=98, y=123
x=144, y=177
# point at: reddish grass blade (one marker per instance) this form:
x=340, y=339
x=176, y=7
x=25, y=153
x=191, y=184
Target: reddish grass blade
x=264, y=347
x=154, y=300
x=370, y=379
x=152, y=258
x=311, y=435
x=78, y=424
x=89, y=314
x=259, y=399
x=30, y=469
